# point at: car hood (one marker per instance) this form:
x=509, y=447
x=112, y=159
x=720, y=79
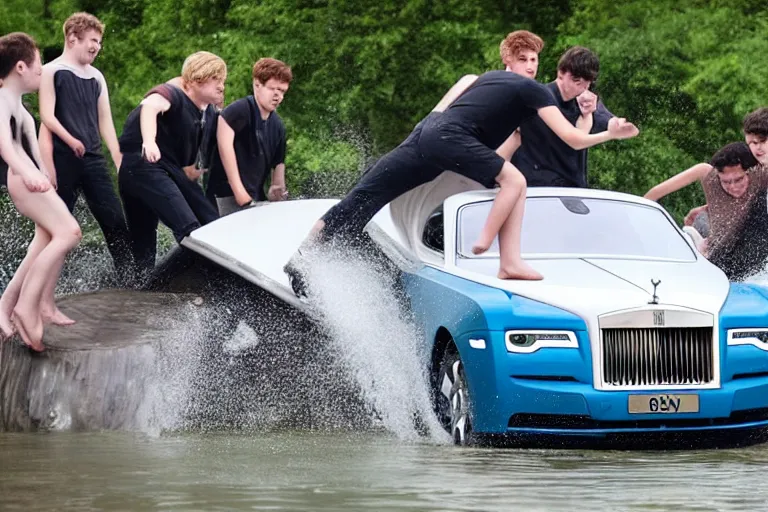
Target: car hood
x=592, y=287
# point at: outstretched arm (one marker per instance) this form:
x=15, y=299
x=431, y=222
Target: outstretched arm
x=678, y=181
x=618, y=128
x=454, y=92
x=47, y=98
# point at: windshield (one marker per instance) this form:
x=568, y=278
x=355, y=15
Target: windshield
x=580, y=227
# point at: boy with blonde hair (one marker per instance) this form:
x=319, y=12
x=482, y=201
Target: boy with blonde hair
x=158, y=178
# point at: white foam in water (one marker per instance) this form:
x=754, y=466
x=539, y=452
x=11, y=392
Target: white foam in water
x=382, y=351
x=760, y=277
x=243, y=338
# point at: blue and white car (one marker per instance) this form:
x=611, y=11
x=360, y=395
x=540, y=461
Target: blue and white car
x=631, y=332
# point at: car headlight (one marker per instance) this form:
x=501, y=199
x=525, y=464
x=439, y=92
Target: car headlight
x=525, y=342
x=757, y=337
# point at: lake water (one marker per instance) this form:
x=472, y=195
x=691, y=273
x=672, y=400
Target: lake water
x=361, y=471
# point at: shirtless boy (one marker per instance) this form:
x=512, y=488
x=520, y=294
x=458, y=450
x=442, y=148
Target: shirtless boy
x=28, y=300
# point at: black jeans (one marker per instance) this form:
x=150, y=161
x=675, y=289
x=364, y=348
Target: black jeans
x=158, y=191
x=402, y=169
x=90, y=176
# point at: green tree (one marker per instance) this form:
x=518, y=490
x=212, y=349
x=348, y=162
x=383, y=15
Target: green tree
x=685, y=73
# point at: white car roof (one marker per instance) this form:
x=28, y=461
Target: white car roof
x=532, y=192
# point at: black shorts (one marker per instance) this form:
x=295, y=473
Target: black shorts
x=452, y=148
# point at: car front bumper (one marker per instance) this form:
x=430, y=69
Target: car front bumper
x=551, y=392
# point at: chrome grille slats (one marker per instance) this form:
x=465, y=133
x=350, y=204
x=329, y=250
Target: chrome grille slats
x=657, y=356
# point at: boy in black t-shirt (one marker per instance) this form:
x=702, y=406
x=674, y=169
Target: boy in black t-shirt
x=251, y=142
x=76, y=115
x=482, y=115
x=158, y=178
x=545, y=159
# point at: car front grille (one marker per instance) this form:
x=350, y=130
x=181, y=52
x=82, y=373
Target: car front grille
x=658, y=356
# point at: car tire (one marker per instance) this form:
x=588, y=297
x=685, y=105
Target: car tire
x=452, y=401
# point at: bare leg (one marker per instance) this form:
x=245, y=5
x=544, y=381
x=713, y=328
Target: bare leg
x=11, y=293
x=50, y=214
x=505, y=220
x=512, y=265
x=48, y=309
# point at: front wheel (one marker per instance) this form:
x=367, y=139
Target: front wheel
x=452, y=397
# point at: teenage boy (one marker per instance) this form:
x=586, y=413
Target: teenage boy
x=732, y=182
x=519, y=52
x=544, y=158
x=480, y=117
x=251, y=142
x=160, y=144
x=747, y=251
x=76, y=115
x=27, y=301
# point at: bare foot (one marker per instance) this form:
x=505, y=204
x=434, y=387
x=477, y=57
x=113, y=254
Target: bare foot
x=30, y=333
x=520, y=271
x=478, y=248
x=57, y=318
x=6, y=326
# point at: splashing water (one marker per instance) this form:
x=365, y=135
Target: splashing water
x=378, y=345
x=760, y=277
x=241, y=364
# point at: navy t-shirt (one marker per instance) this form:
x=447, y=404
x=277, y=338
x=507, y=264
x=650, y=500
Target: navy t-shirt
x=179, y=129
x=497, y=103
x=259, y=147
x=77, y=109
x=544, y=158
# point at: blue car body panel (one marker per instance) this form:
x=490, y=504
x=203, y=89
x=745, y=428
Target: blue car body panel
x=538, y=392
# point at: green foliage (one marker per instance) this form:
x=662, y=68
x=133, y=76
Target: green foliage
x=322, y=168
x=366, y=71
x=685, y=72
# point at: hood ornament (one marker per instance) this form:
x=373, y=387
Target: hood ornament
x=655, y=299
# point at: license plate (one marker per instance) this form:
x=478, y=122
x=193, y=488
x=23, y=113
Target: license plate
x=663, y=404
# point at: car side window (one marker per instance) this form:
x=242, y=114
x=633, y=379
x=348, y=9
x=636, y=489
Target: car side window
x=432, y=236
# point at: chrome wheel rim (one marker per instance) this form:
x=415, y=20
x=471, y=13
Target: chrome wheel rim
x=454, y=389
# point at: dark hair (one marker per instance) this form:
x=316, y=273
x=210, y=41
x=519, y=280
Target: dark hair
x=736, y=153
x=580, y=62
x=15, y=47
x=756, y=123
